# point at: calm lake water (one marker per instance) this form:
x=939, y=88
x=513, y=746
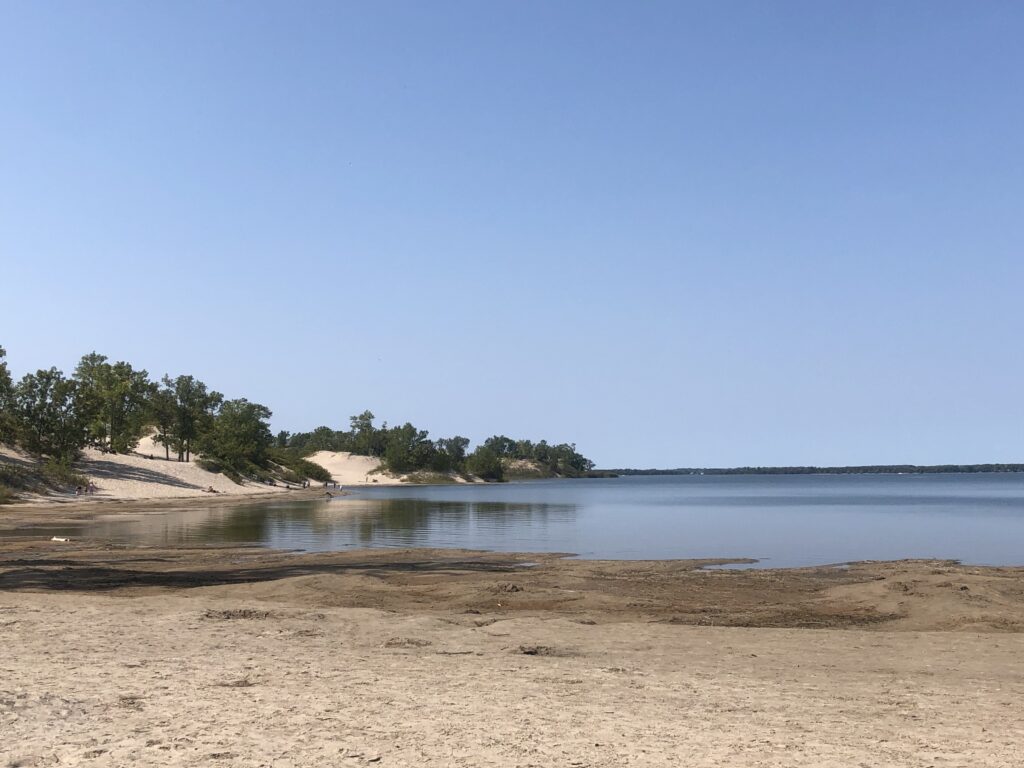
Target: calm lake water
x=782, y=520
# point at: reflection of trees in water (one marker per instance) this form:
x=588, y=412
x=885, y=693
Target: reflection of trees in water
x=258, y=523
x=248, y=523
x=408, y=518
x=328, y=524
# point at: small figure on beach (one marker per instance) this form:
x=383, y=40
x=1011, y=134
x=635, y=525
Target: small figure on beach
x=91, y=488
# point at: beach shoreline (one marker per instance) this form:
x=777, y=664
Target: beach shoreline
x=464, y=658
x=441, y=657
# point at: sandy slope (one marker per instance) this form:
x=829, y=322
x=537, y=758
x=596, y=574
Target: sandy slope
x=348, y=469
x=137, y=476
x=147, y=474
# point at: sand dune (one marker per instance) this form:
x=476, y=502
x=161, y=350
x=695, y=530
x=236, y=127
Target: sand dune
x=145, y=474
x=349, y=469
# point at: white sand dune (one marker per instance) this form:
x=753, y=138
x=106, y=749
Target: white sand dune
x=349, y=469
x=148, y=474
x=137, y=476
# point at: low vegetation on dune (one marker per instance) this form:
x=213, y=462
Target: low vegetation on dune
x=112, y=406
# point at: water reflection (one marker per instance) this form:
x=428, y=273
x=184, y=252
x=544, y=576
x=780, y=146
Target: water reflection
x=788, y=520
x=339, y=523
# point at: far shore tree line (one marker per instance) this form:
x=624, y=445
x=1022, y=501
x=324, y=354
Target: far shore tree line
x=111, y=406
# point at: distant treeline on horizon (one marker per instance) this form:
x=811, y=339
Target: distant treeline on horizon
x=871, y=469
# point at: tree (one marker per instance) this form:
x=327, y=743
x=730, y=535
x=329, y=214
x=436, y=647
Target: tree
x=194, y=409
x=501, y=445
x=281, y=441
x=50, y=420
x=449, y=454
x=367, y=440
x=240, y=436
x=115, y=399
x=7, y=420
x=485, y=463
x=407, y=448
x=163, y=414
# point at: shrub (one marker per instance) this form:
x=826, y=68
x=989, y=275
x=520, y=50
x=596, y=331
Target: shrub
x=302, y=468
x=210, y=465
x=425, y=477
x=60, y=473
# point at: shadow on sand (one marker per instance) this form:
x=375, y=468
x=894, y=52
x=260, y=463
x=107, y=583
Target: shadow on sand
x=71, y=575
x=100, y=469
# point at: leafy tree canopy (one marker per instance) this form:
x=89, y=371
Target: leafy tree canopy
x=239, y=437
x=49, y=419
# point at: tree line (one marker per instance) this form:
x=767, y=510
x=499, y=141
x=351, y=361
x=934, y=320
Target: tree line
x=406, y=448
x=867, y=469
x=112, y=405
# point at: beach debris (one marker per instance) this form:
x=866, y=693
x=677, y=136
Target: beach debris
x=130, y=702
x=244, y=682
x=60, y=538
x=540, y=650
x=237, y=613
x=406, y=642
x=507, y=586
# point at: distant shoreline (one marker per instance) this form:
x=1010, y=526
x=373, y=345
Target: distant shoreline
x=879, y=469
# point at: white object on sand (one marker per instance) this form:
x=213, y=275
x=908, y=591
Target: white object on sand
x=60, y=538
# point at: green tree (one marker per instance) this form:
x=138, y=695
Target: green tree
x=449, y=454
x=407, y=448
x=163, y=414
x=194, y=408
x=240, y=436
x=485, y=463
x=50, y=421
x=502, y=446
x=7, y=419
x=115, y=399
x=367, y=440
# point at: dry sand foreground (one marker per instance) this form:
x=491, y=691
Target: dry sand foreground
x=206, y=679
x=243, y=657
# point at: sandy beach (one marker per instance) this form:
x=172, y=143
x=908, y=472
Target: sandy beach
x=247, y=657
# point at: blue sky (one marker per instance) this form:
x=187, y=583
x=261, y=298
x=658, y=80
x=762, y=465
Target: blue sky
x=676, y=234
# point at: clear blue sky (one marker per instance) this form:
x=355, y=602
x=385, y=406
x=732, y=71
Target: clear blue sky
x=676, y=234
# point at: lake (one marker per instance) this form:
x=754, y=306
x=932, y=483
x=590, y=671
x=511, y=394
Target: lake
x=783, y=520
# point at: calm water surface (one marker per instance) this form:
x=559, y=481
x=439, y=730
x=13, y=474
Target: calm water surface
x=783, y=520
